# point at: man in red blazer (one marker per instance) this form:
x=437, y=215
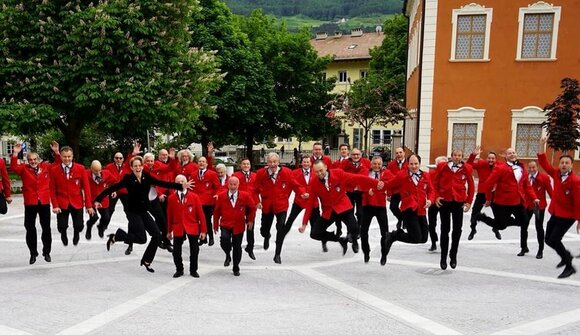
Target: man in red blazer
x=4, y=182
x=304, y=178
x=223, y=177
x=185, y=217
x=118, y=168
x=395, y=166
x=344, y=150
x=483, y=167
x=274, y=185
x=247, y=180
x=318, y=154
x=234, y=211
x=417, y=194
x=206, y=187
x=375, y=205
x=35, y=180
x=564, y=207
x=542, y=186
x=454, y=189
x=512, y=189
x=433, y=211
x=99, y=180
x=331, y=188
x=69, y=193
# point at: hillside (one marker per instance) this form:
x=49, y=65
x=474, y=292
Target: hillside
x=324, y=10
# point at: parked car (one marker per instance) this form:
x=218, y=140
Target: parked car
x=383, y=152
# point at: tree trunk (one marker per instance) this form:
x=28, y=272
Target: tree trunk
x=366, y=141
x=204, y=143
x=72, y=136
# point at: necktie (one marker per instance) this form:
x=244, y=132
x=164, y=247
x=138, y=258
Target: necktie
x=400, y=163
x=355, y=164
x=98, y=179
x=35, y=170
x=67, y=171
x=200, y=174
x=532, y=179
x=273, y=176
x=232, y=197
x=306, y=173
x=181, y=196
x=455, y=166
x=376, y=175
x=247, y=174
x=119, y=168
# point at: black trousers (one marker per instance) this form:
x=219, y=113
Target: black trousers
x=539, y=221
x=139, y=223
x=30, y=213
x=394, y=206
x=450, y=210
x=432, y=213
x=156, y=209
x=555, y=231
x=319, y=227
x=355, y=198
x=230, y=242
x=208, y=213
x=76, y=216
x=476, y=208
x=113, y=203
x=282, y=228
x=268, y=219
x=193, y=251
x=250, y=238
x=503, y=219
x=417, y=228
x=380, y=212
x=105, y=218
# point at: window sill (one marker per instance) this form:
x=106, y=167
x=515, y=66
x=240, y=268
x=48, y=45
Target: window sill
x=470, y=60
x=536, y=59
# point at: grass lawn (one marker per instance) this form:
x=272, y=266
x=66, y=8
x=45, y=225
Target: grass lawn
x=299, y=21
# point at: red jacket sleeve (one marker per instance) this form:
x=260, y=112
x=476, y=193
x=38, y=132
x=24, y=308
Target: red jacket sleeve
x=470, y=184
x=200, y=214
x=87, y=191
x=217, y=213
x=5, y=180
x=16, y=166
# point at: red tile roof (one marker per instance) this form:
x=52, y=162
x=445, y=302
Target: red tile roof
x=347, y=47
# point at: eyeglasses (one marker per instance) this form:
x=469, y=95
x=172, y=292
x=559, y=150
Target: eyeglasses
x=356, y=154
x=118, y=157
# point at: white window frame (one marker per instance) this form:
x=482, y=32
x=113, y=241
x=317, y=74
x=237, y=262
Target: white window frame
x=526, y=115
x=363, y=71
x=464, y=115
x=471, y=9
x=539, y=7
x=345, y=74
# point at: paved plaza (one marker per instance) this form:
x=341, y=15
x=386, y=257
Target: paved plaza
x=87, y=290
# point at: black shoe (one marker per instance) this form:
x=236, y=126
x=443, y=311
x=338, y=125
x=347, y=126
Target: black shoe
x=101, y=231
x=202, y=242
x=250, y=253
x=111, y=241
x=178, y=274
x=162, y=245
x=355, y=246
x=76, y=238
x=497, y=233
x=211, y=242
x=148, y=267
x=228, y=260
x=277, y=259
x=324, y=247
x=471, y=234
x=443, y=264
x=367, y=257
x=129, y=249
x=433, y=247
x=266, y=243
x=399, y=225
x=523, y=252
x=237, y=273
x=32, y=259
x=47, y=258
x=568, y=271
x=194, y=274
x=561, y=264
x=540, y=254
x=383, y=259
x=169, y=247
x=64, y=239
x=453, y=263
x=88, y=233
x=344, y=244
x=389, y=242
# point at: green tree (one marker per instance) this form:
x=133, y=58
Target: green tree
x=562, y=117
x=122, y=65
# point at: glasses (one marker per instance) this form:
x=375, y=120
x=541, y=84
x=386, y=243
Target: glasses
x=118, y=157
x=356, y=154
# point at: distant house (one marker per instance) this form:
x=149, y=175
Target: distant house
x=481, y=71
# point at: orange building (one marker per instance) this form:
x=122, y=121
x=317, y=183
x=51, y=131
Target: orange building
x=481, y=72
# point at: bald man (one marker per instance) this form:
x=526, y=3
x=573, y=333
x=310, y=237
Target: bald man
x=99, y=180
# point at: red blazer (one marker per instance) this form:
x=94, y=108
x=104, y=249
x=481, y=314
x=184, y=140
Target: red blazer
x=451, y=186
x=326, y=159
x=334, y=198
x=234, y=218
x=35, y=187
x=189, y=170
x=338, y=163
x=119, y=172
x=161, y=171
x=275, y=195
x=393, y=166
x=107, y=180
x=541, y=185
x=379, y=198
x=508, y=191
x=187, y=217
x=206, y=187
x=566, y=195
x=413, y=196
x=5, y=182
x=225, y=185
x=65, y=192
x=483, y=171
x=248, y=185
x=362, y=168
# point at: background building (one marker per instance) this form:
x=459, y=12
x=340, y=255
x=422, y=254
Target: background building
x=481, y=73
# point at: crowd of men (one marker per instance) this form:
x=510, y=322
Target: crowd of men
x=173, y=198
